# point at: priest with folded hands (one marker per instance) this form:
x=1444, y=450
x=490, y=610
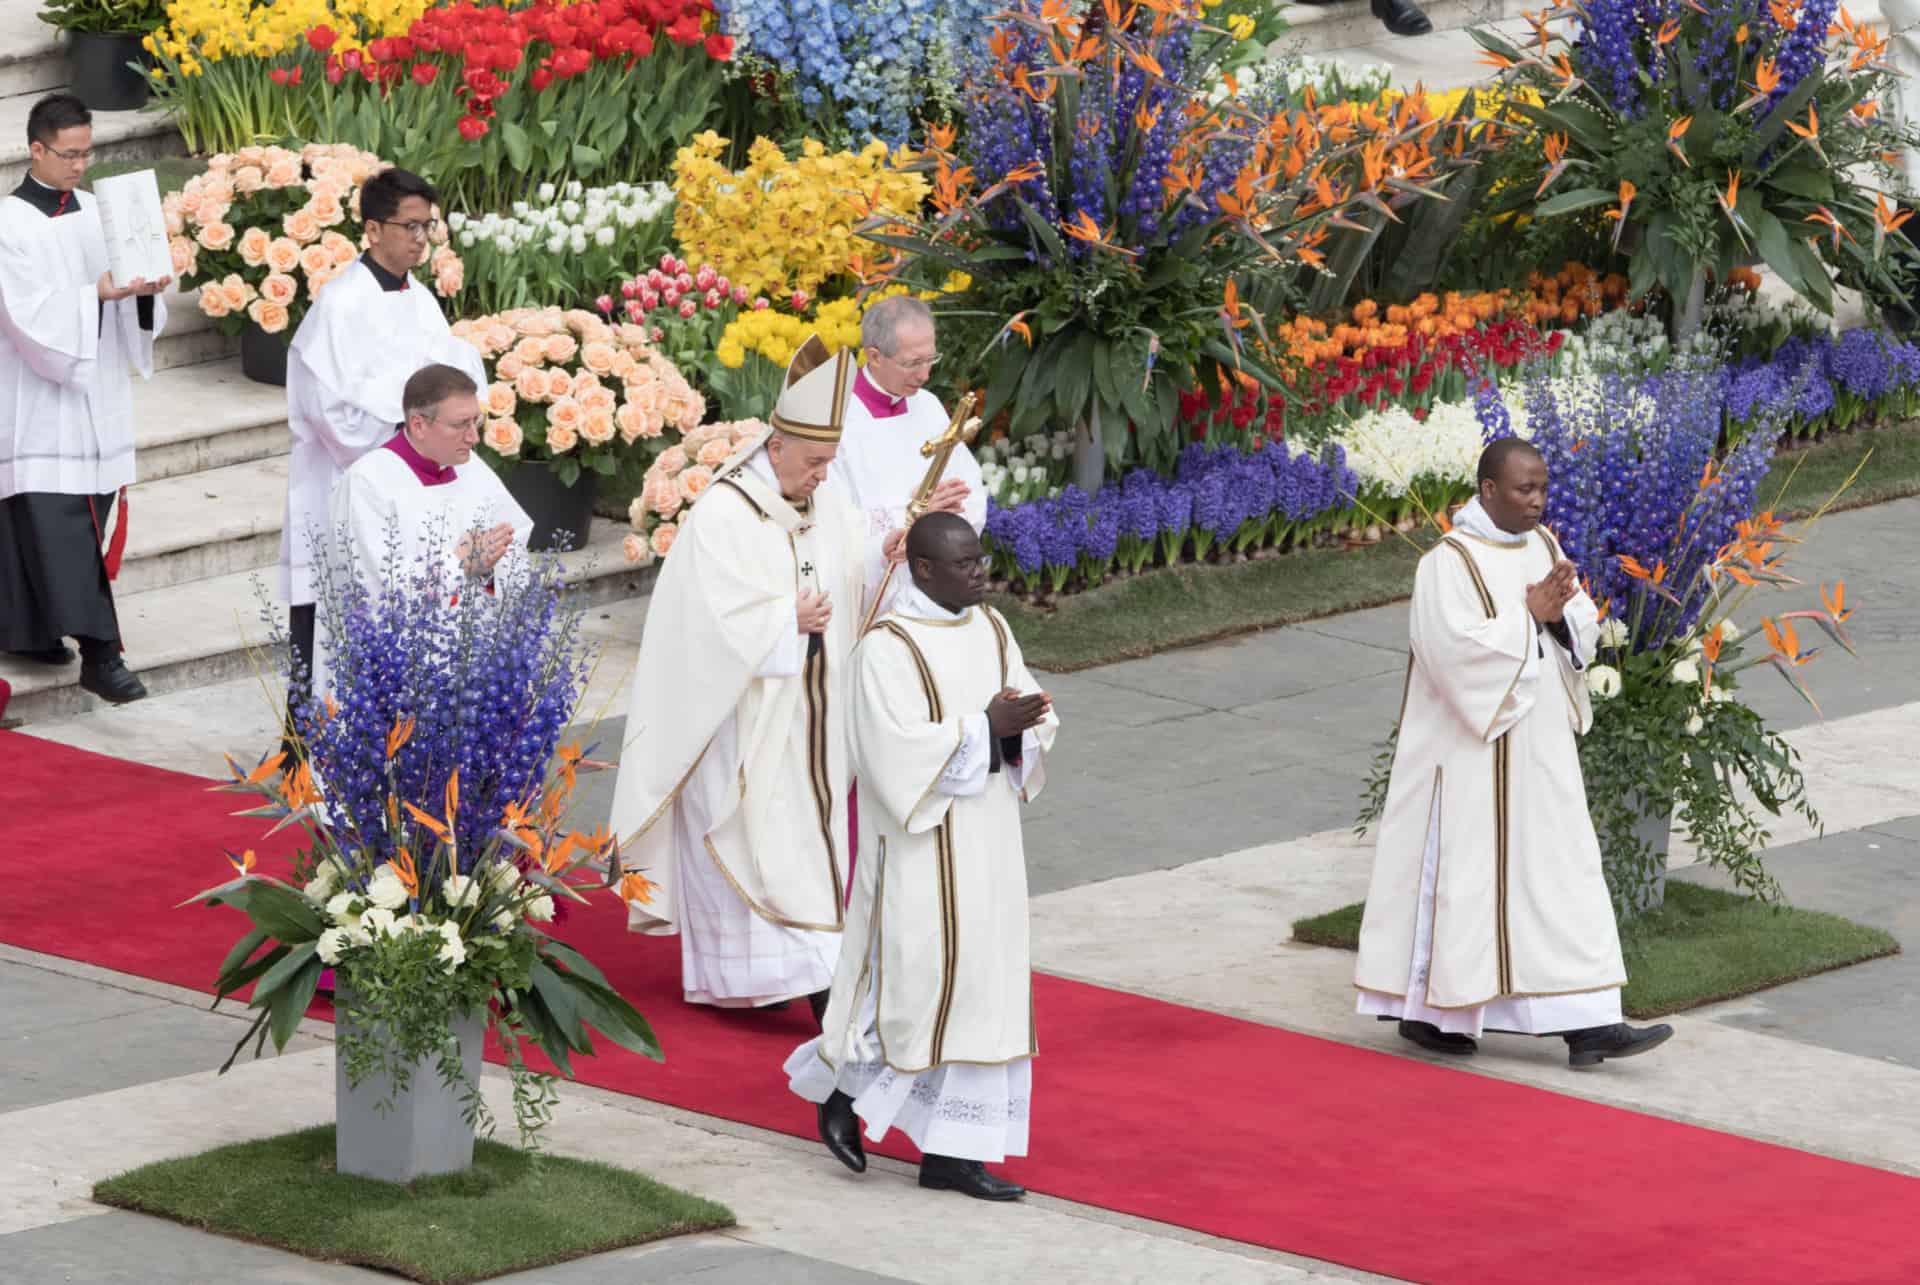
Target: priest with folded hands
x=733, y=778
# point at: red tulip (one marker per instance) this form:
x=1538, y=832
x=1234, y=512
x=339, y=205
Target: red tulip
x=352, y=60
x=333, y=70
x=322, y=38
x=472, y=128
x=540, y=79
x=424, y=73
x=719, y=47
x=278, y=75
x=799, y=300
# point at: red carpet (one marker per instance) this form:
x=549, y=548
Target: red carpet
x=1169, y=1113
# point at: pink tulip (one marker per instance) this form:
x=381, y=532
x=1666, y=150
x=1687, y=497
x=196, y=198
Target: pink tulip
x=760, y=304
x=704, y=279
x=659, y=335
x=634, y=310
x=740, y=295
x=799, y=300
x=656, y=278
x=714, y=298
x=684, y=280
x=688, y=307
x=723, y=285
x=667, y=261
x=605, y=304
x=670, y=294
x=629, y=289
x=649, y=300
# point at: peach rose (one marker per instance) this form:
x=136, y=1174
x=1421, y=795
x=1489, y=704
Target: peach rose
x=186, y=255
x=559, y=384
x=326, y=210
x=342, y=250
x=500, y=399
x=284, y=171
x=253, y=247
x=530, y=351
x=658, y=494
x=634, y=549
x=637, y=510
x=279, y=288
x=282, y=254
x=561, y=440
x=302, y=226
x=597, y=427
x=597, y=399
x=696, y=410
x=248, y=178
x=631, y=335
x=538, y=322
x=443, y=257
x=661, y=541
x=447, y=281
x=315, y=261
x=641, y=376
x=630, y=421
x=216, y=189
x=215, y=236
x=213, y=301
x=598, y=357
x=268, y=315
x=530, y=385
x=715, y=453
x=623, y=364
x=502, y=436
x=239, y=294
x=190, y=202
x=671, y=460
x=694, y=480
x=508, y=367
x=317, y=279
x=565, y=413
x=561, y=348
x=499, y=336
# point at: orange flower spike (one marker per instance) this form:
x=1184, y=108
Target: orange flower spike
x=1148, y=63
x=1019, y=327
x=1632, y=567
x=1782, y=11
x=1866, y=109
x=1836, y=602
x=1668, y=33
x=635, y=886
x=1810, y=130
x=243, y=863
x=405, y=870
x=1889, y=217
x=433, y=824
x=1499, y=62
x=1766, y=76
x=1556, y=149
x=1712, y=641
x=1660, y=572
x=397, y=738
x=1740, y=34
x=1675, y=132
x=453, y=795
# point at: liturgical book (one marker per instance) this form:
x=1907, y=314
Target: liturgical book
x=135, y=229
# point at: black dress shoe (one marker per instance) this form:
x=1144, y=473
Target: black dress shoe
x=1434, y=1040
x=61, y=655
x=1402, y=17
x=840, y=1130
x=1588, y=1048
x=111, y=680
x=969, y=1177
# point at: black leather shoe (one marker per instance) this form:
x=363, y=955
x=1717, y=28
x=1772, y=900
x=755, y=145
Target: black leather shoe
x=1434, y=1040
x=111, y=680
x=840, y=1130
x=61, y=655
x=969, y=1177
x=1402, y=17
x=1588, y=1048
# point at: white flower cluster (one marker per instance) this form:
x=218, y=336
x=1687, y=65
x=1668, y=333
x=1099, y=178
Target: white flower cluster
x=1331, y=79
x=380, y=911
x=1015, y=473
x=566, y=219
x=1390, y=450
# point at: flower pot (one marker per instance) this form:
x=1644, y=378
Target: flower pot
x=1646, y=888
x=98, y=74
x=263, y=357
x=562, y=515
x=424, y=1130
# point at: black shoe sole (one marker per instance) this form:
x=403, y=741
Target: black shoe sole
x=941, y=1184
x=123, y=698
x=853, y=1157
x=1448, y=1050
x=1588, y=1059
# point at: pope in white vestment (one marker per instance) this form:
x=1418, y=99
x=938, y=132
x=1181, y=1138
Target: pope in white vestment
x=733, y=778
x=1488, y=908
x=930, y=1024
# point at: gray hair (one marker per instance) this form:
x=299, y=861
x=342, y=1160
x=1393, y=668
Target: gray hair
x=880, y=327
x=427, y=387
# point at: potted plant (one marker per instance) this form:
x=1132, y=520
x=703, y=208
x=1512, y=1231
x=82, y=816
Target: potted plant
x=433, y=789
x=573, y=398
x=264, y=228
x=106, y=64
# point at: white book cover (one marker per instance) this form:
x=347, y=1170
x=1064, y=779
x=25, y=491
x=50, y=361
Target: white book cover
x=135, y=229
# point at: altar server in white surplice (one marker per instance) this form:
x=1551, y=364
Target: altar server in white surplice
x=67, y=338
x=930, y=1025
x=733, y=778
x=1488, y=909
x=368, y=331
x=891, y=417
x=420, y=502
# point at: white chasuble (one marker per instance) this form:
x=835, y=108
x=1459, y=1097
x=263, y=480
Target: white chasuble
x=880, y=466
x=937, y=927
x=1487, y=899
x=353, y=354
x=733, y=777
x=66, y=402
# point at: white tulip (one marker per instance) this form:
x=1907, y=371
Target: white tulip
x=1684, y=671
x=603, y=237
x=545, y=193
x=1603, y=681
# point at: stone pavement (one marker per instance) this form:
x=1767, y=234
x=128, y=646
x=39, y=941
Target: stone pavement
x=1197, y=803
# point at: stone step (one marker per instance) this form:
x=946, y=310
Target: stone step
x=117, y=136
x=31, y=60
x=195, y=526
x=209, y=416
x=214, y=630
x=191, y=336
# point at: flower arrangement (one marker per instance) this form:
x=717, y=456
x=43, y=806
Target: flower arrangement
x=676, y=478
x=1034, y=468
x=1221, y=504
x=562, y=246
x=433, y=788
x=265, y=228
x=783, y=226
x=1700, y=138
x=1823, y=382
x=576, y=392
x=1408, y=468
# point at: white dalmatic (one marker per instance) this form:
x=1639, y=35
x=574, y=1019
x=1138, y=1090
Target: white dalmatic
x=733, y=779
x=66, y=401
x=930, y=1025
x=353, y=354
x=385, y=521
x=880, y=466
x=1488, y=907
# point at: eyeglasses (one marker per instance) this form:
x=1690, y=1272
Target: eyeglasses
x=65, y=155
x=414, y=227
x=460, y=426
x=918, y=363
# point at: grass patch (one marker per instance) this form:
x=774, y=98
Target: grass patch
x=1702, y=946
x=1201, y=602
x=503, y=1215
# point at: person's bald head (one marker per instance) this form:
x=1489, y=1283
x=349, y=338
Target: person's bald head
x=1513, y=484
x=946, y=560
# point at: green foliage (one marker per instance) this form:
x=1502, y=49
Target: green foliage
x=105, y=17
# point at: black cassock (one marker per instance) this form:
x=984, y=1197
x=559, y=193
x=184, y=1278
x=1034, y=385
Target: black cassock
x=53, y=574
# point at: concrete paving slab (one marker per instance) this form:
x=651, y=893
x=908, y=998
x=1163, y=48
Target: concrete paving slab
x=1250, y=669
x=703, y=1260
x=121, y=1248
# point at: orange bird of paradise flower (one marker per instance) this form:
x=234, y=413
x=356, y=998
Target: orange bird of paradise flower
x=402, y=733
x=243, y=863
x=635, y=886
x=1675, y=132
x=1619, y=216
x=1836, y=602
x=1886, y=218
x=1556, y=149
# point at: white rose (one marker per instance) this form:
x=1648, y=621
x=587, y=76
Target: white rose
x=504, y=921
x=452, y=950
x=321, y=886
x=504, y=876
x=332, y=942
x=462, y=891
x=540, y=909
x=1613, y=633
x=1718, y=694
x=377, y=922
x=385, y=889
x=340, y=908
x=1728, y=632
x=1694, y=724
x=1684, y=671
x=1603, y=681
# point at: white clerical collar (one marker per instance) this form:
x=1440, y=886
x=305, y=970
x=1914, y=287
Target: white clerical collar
x=914, y=603
x=37, y=182
x=1474, y=520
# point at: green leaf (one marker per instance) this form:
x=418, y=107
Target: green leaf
x=1814, y=273
x=276, y=977
x=1072, y=375
x=1775, y=124
x=282, y=912
x=231, y=982
x=290, y=1001
x=519, y=148
x=585, y=159
x=1809, y=181
x=1776, y=248
x=1579, y=198
x=242, y=951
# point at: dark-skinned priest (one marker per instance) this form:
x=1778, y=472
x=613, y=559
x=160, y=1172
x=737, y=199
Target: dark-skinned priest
x=733, y=778
x=930, y=1025
x=1488, y=909
x=68, y=337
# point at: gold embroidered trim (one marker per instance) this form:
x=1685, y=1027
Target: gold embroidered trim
x=949, y=936
x=999, y=638
x=667, y=802
x=1502, y=753
x=1473, y=570
x=814, y=685
x=965, y=619
x=758, y=909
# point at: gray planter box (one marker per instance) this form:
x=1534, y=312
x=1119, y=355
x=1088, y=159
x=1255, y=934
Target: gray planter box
x=425, y=1130
x=1656, y=833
